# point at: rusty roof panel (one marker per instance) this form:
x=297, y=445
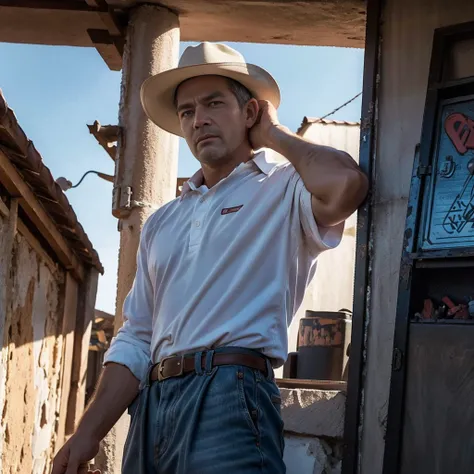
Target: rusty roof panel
x=28, y=162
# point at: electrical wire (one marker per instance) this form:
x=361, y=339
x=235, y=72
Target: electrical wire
x=341, y=106
x=98, y=173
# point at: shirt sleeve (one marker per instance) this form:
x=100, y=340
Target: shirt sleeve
x=317, y=238
x=131, y=346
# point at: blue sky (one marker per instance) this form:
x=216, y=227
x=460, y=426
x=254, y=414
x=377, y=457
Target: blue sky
x=56, y=91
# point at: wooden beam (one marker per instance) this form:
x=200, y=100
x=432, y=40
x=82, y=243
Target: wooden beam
x=112, y=21
x=16, y=186
x=74, y=5
x=312, y=384
x=69, y=326
x=109, y=47
x=82, y=337
x=108, y=16
x=4, y=209
x=107, y=136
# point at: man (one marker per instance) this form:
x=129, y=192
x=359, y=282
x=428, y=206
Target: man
x=221, y=271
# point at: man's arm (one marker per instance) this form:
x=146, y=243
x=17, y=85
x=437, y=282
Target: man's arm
x=333, y=178
x=116, y=390
x=126, y=362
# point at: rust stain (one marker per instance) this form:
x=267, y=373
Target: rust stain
x=321, y=332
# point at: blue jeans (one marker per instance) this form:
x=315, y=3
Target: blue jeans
x=221, y=420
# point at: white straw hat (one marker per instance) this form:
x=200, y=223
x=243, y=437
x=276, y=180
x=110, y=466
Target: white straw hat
x=158, y=92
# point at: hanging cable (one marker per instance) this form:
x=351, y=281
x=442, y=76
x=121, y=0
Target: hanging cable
x=98, y=173
x=341, y=106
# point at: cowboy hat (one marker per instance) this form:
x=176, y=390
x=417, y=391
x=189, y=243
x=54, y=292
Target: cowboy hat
x=158, y=92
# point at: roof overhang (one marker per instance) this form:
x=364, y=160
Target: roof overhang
x=99, y=23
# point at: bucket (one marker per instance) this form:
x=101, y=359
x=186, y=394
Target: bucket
x=323, y=340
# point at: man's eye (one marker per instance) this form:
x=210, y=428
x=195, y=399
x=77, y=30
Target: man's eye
x=215, y=103
x=186, y=114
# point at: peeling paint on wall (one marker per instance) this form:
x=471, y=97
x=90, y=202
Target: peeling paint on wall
x=3, y=353
x=31, y=363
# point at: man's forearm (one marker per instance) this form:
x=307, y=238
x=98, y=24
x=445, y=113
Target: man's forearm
x=116, y=390
x=331, y=176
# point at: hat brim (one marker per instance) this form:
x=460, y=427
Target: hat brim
x=157, y=93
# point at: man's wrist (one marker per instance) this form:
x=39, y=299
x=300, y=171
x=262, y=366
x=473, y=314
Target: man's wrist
x=86, y=430
x=277, y=134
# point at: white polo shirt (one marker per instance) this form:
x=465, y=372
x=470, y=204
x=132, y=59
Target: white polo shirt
x=226, y=266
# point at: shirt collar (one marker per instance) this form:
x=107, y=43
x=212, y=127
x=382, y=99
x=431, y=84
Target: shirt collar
x=262, y=159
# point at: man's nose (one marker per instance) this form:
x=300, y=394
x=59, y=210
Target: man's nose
x=201, y=117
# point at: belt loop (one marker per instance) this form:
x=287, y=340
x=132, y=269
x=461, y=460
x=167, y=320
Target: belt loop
x=209, y=357
x=198, y=363
x=146, y=381
x=270, y=375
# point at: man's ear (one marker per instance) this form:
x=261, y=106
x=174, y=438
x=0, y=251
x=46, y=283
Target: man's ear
x=252, y=112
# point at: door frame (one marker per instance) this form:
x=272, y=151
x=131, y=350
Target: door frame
x=361, y=302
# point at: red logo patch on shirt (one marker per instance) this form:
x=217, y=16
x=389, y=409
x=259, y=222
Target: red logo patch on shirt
x=230, y=210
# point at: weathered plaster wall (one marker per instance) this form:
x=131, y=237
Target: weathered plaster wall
x=333, y=285
x=32, y=355
x=407, y=30
x=4, y=258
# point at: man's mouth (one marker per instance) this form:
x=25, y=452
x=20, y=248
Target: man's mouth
x=205, y=139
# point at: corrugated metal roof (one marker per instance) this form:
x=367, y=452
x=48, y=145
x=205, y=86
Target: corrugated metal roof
x=310, y=120
x=28, y=162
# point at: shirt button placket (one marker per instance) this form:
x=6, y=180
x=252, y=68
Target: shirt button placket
x=197, y=223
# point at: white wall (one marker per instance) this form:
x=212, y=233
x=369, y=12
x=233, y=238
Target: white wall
x=332, y=286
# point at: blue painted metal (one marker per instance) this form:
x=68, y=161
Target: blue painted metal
x=449, y=211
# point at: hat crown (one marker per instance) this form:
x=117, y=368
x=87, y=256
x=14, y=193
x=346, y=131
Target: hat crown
x=209, y=53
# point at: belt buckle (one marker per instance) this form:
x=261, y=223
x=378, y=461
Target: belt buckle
x=161, y=368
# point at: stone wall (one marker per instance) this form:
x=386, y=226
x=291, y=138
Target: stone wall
x=314, y=426
x=31, y=360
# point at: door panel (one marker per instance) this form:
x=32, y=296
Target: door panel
x=438, y=428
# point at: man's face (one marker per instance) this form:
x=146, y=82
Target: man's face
x=213, y=123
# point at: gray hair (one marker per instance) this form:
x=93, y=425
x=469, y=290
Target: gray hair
x=241, y=93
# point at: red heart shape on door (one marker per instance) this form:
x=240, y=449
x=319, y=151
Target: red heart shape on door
x=460, y=130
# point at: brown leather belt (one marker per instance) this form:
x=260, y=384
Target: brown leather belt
x=177, y=366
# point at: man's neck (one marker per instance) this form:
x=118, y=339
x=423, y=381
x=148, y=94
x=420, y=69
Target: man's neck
x=213, y=174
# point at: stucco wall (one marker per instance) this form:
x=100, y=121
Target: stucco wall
x=407, y=30
x=31, y=362
x=332, y=286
